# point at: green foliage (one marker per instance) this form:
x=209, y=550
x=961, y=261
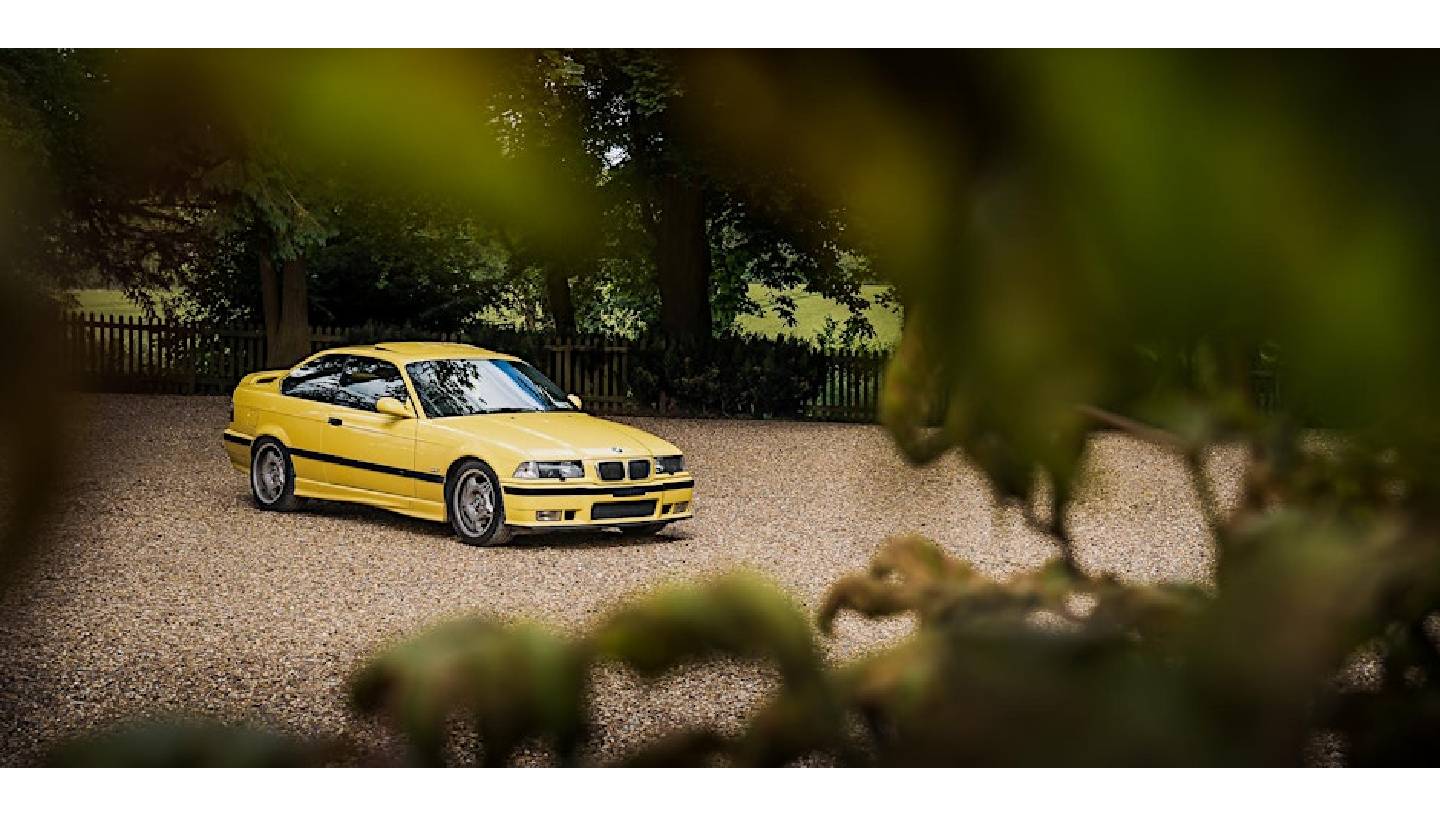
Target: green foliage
x=635, y=111
x=105, y=302
x=1080, y=240
x=188, y=744
x=520, y=681
x=1087, y=240
x=728, y=376
x=513, y=682
x=527, y=163
x=807, y=316
x=33, y=434
x=392, y=262
x=1048, y=667
x=740, y=615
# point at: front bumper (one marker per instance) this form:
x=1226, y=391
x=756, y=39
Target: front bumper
x=597, y=505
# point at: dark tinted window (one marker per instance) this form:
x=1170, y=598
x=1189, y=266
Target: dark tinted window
x=316, y=379
x=366, y=380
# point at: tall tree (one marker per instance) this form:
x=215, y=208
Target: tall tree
x=540, y=105
x=261, y=200
x=646, y=120
x=175, y=169
x=144, y=197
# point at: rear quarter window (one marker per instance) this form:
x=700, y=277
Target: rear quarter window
x=316, y=379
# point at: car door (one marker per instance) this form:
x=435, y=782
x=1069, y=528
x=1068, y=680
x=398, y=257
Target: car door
x=308, y=390
x=367, y=449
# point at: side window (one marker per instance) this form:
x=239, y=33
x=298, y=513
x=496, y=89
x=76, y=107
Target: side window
x=315, y=380
x=366, y=380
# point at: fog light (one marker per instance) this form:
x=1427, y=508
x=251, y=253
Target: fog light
x=548, y=515
x=681, y=507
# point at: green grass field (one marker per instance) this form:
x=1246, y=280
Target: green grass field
x=810, y=313
x=109, y=302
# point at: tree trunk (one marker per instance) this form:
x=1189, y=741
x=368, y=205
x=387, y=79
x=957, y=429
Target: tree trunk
x=286, y=303
x=682, y=259
x=559, y=301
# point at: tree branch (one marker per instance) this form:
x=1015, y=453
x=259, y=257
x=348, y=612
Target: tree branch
x=1054, y=528
x=1191, y=454
x=1204, y=492
x=1135, y=428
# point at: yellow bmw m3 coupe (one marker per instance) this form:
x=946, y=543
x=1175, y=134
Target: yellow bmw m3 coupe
x=449, y=432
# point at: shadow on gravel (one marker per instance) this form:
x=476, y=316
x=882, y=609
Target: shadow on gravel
x=371, y=515
x=582, y=540
x=555, y=540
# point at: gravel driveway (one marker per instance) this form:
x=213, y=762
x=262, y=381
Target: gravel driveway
x=165, y=591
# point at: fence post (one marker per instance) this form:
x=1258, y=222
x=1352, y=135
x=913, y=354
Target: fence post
x=192, y=348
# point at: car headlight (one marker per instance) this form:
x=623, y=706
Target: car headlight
x=568, y=469
x=669, y=464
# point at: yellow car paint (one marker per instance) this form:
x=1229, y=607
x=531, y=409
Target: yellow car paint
x=401, y=464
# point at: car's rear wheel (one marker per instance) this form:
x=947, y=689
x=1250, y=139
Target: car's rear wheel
x=272, y=476
x=476, y=506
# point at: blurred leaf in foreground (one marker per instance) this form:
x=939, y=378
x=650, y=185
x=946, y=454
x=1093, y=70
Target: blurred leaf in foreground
x=188, y=744
x=515, y=682
x=739, y=615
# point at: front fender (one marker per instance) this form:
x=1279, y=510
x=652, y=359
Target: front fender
x=501, y=458
x=439, y=456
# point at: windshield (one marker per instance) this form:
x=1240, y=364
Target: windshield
x=463, y=387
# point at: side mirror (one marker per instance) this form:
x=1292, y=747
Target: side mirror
x=393, y=407
x=574, y=400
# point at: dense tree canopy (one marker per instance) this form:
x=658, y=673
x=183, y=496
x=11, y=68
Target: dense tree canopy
x=562, y=186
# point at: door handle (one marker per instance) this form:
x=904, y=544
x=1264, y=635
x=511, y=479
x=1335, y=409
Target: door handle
x=336, y=421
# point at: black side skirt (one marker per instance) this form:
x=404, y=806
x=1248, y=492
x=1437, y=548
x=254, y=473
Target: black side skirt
x=316, y=456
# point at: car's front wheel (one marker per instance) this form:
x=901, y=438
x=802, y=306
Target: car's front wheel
x=272, y=476
x=476, y=506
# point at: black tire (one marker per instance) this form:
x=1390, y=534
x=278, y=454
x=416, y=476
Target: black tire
x=494, y=532
x=264, y=491
x=647, y=529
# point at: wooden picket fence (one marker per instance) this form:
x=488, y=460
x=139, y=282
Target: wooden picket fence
x=852, y=386
x=596, y=369
x=135, y=354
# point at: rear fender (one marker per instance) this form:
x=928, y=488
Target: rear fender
x=272, y=429
x=263, y=377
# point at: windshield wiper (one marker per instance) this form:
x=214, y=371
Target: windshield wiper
x=510, y=411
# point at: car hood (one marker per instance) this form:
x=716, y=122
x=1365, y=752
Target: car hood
x=561, y=435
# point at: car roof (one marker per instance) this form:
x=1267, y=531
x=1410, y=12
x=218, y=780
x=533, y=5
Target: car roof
x=401, y=352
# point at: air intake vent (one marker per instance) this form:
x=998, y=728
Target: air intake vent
x=639, y=468
x=610, y=471
x=619, y=510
